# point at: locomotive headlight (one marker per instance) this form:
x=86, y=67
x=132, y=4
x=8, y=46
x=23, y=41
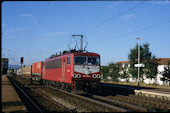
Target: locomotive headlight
x=74, y=76
x=98, y=76
x=78, y=76
x=94, y=76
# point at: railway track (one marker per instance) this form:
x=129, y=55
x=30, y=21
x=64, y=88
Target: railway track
x=159, y=105
x=107, y=101
x=147, y=102
x=26, y=99
x=38, y=101
x=74, y=102
x=130, y=107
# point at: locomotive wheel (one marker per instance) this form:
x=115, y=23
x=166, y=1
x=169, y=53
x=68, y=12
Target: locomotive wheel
x=41, y=82
x=44, y=82
x=68, y=88
x=59, y=85
x=55, y=85
x=63, y=86
x=49, y=83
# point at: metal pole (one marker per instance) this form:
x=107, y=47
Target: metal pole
x=139, y=60
x=82, y=42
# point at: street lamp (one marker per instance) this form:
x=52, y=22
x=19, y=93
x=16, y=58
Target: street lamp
x=138, y=59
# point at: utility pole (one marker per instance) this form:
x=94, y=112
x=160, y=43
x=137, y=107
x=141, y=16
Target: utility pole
x=138, y=59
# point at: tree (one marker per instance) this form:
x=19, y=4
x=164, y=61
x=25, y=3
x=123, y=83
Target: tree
x=114, y=71
x=146, y=57
x=166, y=73
x=124, y=74
x=105, y=71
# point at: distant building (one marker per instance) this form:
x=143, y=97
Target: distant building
x=162, y=63
x=4, y=65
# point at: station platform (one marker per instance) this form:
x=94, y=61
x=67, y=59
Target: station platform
x=154, y=94
x=11, y=101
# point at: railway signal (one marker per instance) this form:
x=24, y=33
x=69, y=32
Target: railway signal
x=22, y=60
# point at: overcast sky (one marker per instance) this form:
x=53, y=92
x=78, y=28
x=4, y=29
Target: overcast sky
x=36, y=30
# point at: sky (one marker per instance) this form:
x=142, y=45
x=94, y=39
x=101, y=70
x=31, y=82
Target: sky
x=37, y=29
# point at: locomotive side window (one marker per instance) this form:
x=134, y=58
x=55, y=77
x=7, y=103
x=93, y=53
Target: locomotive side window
x=80, y=60
x=68, y=60
x=53, y=64
x=93, y=60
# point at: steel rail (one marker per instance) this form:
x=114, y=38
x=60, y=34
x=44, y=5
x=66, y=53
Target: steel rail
x=53, y=101
x=120, y=103
x=118, y=109
x=39, y=109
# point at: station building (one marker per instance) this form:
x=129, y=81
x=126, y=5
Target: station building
x=4, y=65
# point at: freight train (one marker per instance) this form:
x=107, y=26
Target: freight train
x=74, y=71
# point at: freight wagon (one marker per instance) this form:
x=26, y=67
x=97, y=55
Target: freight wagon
x=26, y=71
x=37, y=71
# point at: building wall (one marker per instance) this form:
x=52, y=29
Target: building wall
x=157, y=80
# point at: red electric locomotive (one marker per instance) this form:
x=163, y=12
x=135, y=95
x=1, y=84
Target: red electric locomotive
x=73, y=71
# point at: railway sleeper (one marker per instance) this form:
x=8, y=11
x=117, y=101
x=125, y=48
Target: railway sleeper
x=148, y=103
x=153, y=99
x=97, y=103
x=134, y=101
x=140, y=99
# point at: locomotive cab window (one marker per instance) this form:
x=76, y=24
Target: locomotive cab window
x=68, y=60
x=93, y=60
x=80, y=60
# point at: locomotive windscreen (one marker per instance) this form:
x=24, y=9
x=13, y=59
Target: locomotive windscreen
x=80, y=60
x=86, y=60
x=93, y=60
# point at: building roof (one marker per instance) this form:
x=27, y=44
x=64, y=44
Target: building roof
x=161, y=61
x=123, y=62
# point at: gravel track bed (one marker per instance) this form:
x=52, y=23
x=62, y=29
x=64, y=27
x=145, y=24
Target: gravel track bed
x=43, y=103
x=79, y=105
x=128, y=96
x=146, y=102
x=70, y=101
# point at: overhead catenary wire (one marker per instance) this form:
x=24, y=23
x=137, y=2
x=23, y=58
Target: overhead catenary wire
x=33, y=29
x=60, y=44
x=30, y=34
x=39, y=19
x=114, y=17
x=142, y=29
x=87, y=30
